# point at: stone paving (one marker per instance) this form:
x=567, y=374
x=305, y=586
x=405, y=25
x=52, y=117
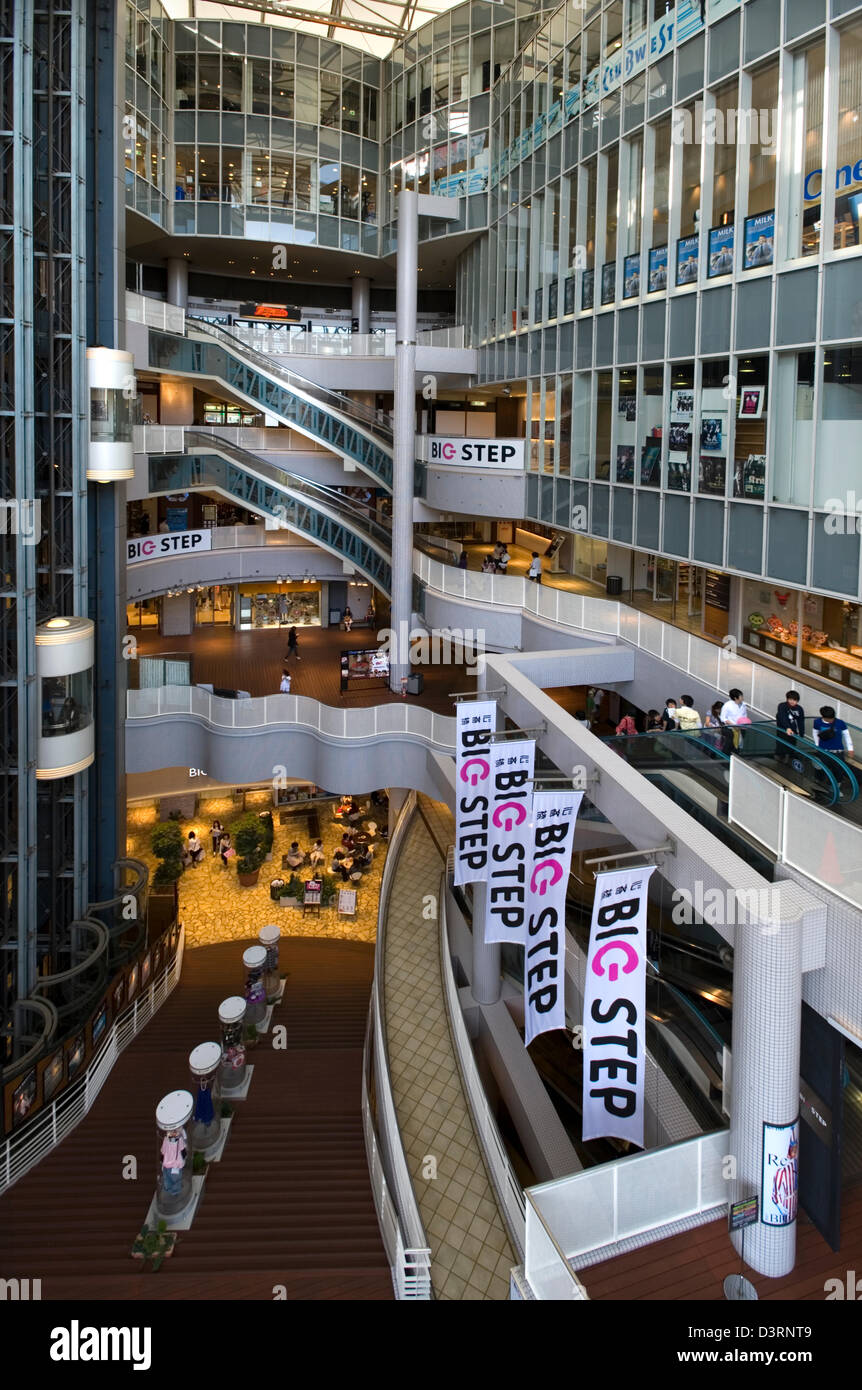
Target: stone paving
x=213, y=906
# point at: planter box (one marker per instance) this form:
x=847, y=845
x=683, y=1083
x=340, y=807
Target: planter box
x=249, y=880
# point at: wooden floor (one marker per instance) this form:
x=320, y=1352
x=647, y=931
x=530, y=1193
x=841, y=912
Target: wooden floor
x=254, y=661
x=694, y=1265
x=290, y=1204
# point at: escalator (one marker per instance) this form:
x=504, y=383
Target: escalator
x=346, y=427
x=311, y=510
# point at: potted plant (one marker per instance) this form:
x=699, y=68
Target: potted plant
x=248, y=840
x=154, y=1245
x=275, y=887
x=167, y=845
x=291, y=893
x=268, y=827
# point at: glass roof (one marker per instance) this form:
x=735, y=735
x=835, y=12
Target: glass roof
x=372, y=25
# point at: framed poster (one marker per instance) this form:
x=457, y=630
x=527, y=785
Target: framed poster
x=682, y=403
x=686, y=260
x=98, y=1024
x=650, y=462
x=569, y=295
x=132, y=987
x=657, y=271
x=711, y=474
x=588, y=285
x=751, y=403
x=77, y=1051
x=553, y=296
x=631, y=277
x=679, y=436
x=119, y=994
x=711, y=432
x=52, y=1076
x=627, y=406
x=779, y=1186
x=609, y=282
x=538, y=305
x=759, y=240
x=24, y=1097
x=625, y=463
x=720, y=259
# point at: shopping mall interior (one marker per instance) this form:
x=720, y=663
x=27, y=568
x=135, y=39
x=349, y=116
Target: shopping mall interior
x=370, y=621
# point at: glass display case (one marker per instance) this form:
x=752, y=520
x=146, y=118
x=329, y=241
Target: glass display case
x=254, y=960
x=204, y=1063
x=174, y=1185
x=233, y=1063
x=269, y=938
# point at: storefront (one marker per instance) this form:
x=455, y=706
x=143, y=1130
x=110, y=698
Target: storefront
x=808, y=631
x=214, y=606
x=294, y=604
x=146, y=613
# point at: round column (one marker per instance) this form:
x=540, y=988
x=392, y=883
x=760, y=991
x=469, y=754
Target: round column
x=765, y=1087
x=361, y=303
x=178, y=281
x=404, y=433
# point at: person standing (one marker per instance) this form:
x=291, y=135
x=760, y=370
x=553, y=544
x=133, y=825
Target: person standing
x=293, y=645
x=284, y=687
x=687, y=716
x=668, y=719
x=462, y=560
x=790, y=719
x=535, y=570
x=216, y=832
x=832, y=734
x=503, y=561
x=733, y=713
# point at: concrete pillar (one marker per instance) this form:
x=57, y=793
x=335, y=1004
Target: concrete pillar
x=486, y=983
x=361, y=303
x=765, y=1075
x=404, y=443
x=178, y=615
x=178, y=281
x=397, y=798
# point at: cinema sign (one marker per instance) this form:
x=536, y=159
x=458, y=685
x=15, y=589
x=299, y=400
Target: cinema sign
x=475, y=453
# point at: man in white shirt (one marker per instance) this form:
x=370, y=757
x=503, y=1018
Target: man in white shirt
x=733, y=712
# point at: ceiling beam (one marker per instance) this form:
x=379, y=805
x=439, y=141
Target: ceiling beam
x=360, y=26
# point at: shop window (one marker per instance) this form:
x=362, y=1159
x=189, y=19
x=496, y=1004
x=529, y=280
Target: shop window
x=649, y=425
x=809, y=70
x=681, y=426
x=604, y=421
x=837, y=454
x=752, y=413
x=848, y=192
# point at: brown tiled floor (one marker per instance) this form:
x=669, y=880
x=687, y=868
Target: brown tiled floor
x=254, y=661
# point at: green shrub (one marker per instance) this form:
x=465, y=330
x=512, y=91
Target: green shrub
x=248, y=840
x=293, y=888
x=167, y=845
x=268, y=827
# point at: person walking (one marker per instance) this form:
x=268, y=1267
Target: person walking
x=226, y=849
x=194, y=849
x=790, y=720
x=687, y=716
x=216, y=832
x=832, y=734
x=535, y=570
x=733, y=713
x=293, y=645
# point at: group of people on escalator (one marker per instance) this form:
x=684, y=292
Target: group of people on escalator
x=725, y=723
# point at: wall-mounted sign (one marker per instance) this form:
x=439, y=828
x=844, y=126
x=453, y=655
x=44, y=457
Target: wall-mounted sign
x=477, y=453
x=163, y=546
x=780, y=1174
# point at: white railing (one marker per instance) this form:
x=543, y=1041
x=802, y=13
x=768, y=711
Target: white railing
x=159, y=439
x=510, y=1194
x=821, y=845
x=572, y=1221
x=155, y=313
x=694, y=656
x=284, y=342
x=23, y=1151
x=454, y=337
x=397, y=1209
x=436, y=731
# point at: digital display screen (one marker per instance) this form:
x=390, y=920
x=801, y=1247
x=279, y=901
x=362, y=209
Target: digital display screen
x=286, y=313
x=369, y=664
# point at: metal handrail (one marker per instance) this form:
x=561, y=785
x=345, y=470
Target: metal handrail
x=354, y=410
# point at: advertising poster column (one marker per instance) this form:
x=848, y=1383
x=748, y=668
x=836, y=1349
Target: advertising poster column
x=475, y=726
x=553, y=834
x=509, y=841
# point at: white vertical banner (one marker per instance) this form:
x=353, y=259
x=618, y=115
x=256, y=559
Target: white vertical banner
x=552, y=838
x=614, y=1007
x=510, y=838
x=475, y=726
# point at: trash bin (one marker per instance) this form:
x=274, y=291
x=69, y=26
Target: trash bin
x=415, y=683
x=614, y=584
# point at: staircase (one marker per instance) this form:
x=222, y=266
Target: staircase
x=287, y=1212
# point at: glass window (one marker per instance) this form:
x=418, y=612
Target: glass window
x=751, y=415
x=848, y=193
x=632, y=208
x=351, y=106
x=231, y=84
x=330, y=99
x=185, y=171
x=281, y=181
x=588, y=175
x=282, y=90
x=761, y=167
x=807, y=180
x=368, y=197
x=604, y=412
x=690, y=203
x=306, y=186
x=260, y=74
x=794, y=427
x=328, y=185
x=209, y=80
x=67, y=703
x=306, y=96
x=650, y=415
x=661, y=171
x=231, y=176
x=715, y=427
x=369, y=112
x=724, y=157
x=208, y=173
x=837, y=467
x=679, y=435
x=184, y=95
x=349, y=192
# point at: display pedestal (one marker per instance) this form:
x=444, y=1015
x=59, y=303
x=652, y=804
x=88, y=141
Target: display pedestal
x=241, y=1091
x=214, y=1154
x=181, y=1220
x=263, y=1025
x=278, y=996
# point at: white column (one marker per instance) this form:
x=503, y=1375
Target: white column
x=178, y=281
x=404, y=442
x=767, y=1020
x=361, y=303
x=486, y=982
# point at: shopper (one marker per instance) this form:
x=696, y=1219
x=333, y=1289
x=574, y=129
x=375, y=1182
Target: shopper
x=687, y=716
x=317, y=855
x=284, y=687
x=295, y=856
x=668, y=719
x=503, y=561
x=216, y=832
x=712, y=722
x=462, y=560
x=535, y=570
x=581, y=716
x=194, y=849
x=348, y=620
x=832, y=734
x=733, y=713
x=627, y=727
x=226, y=850
x=790, y=719
x=293, y=645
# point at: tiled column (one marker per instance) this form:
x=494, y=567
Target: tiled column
x=767, y=1019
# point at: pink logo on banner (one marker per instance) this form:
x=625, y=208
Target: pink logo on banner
x=474, y=778
x=541, y=881
x=509, y=814
x=614, y=968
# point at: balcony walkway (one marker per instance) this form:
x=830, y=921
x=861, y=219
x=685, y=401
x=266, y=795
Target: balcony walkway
x=289, y=1204
x=470, y=1252
x=254, y=661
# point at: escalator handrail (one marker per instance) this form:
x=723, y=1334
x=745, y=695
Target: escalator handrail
x=354, y=410
x=375, y=532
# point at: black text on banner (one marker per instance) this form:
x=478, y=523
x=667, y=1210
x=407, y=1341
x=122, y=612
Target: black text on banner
x=614, y=1006
x=475, y=725
x=510, y=837
x=553, y=834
